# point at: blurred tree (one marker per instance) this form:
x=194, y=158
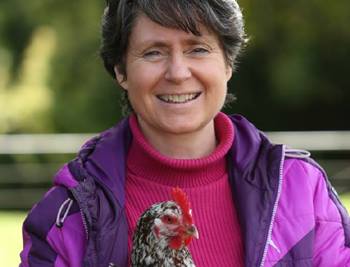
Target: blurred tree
x=293, y=75
x=24, y=103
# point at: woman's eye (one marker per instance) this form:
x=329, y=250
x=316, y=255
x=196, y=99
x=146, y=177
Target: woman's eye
x=200, y=50
x=152, y=54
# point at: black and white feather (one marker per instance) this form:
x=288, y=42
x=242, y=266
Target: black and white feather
x=161, y=237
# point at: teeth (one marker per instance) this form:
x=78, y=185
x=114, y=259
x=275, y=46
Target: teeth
x=177, y=98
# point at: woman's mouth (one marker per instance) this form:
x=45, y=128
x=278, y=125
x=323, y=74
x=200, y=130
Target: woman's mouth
x=178, y=98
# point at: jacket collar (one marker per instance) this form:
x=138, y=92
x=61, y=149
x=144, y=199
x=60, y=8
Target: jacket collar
x=107, y=163
x=253, y=158
x=254, y=173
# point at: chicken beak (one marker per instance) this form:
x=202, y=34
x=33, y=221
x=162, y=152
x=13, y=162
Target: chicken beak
x=192, y=231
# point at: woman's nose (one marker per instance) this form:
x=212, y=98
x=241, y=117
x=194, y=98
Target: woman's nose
x=177, y=69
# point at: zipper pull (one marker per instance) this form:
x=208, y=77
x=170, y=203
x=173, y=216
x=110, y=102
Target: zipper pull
x=63, y=212
x=272, y=244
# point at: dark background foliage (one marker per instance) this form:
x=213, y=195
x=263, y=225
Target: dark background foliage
x=293, y=74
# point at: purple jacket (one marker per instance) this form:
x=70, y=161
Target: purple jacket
x=289, y=213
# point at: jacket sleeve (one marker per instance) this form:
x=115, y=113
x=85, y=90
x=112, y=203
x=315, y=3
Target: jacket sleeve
x=53, y=232
x=332, y=223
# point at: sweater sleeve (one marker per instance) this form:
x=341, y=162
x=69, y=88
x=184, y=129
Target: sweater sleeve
x=53, y=232
x=332, y=225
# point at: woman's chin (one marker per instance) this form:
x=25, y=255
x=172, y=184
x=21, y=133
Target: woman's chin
x=183, y=127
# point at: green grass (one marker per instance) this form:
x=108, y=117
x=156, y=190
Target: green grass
x=346, y=201
x=10, y=237
x=11, y=234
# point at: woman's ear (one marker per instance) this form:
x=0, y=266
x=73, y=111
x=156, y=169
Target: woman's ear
x=120, y=78
x=228, y=72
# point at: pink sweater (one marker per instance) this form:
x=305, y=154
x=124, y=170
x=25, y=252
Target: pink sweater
x=150, y=177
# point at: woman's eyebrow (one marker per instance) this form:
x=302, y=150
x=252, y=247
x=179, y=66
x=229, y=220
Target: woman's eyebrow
x=153, y=43
x=198, y=40
x=161, y=43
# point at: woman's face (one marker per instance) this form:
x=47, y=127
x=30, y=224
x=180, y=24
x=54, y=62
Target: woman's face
x=176, y=81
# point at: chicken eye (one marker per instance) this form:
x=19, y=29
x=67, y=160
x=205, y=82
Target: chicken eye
x=168, y=219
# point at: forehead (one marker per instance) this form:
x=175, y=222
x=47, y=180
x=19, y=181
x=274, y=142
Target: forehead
x=147, y=31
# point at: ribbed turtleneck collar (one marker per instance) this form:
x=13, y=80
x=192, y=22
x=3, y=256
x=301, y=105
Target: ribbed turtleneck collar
x=146, y=162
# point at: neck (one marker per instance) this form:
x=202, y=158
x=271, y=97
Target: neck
x=198, y=144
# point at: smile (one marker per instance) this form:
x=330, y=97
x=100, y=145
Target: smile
x=178, y=99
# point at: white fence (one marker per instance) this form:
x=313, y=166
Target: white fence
x=70, y=143
x=24, y=181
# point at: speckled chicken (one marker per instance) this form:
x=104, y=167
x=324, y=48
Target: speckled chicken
x=163, y=233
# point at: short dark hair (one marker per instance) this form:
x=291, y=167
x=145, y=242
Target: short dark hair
x=223, y=17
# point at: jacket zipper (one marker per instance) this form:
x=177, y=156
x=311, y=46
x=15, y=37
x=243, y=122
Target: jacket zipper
x=82, y=215
x=280, y=180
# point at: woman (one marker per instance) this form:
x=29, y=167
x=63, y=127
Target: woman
x=255, y=203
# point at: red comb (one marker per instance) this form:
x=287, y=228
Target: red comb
x=181, y=199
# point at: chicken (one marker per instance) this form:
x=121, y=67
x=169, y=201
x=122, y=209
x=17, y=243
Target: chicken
x=163, y=233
